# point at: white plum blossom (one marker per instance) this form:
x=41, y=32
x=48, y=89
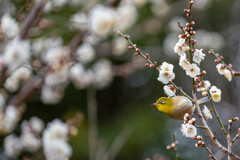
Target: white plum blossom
x=58, y=59
x=51, y=95
x=9, y=119
x=227, y=74
x=55, y=54
x=53, y=42
x=55, y=141
x=79, y=21
x=30, y=142
x=16, y=53
x=207, y=84
x=188, y=130
x=198, y=56
x=166, y=73
x=11, y=84
x=81, y=78
x=166, y=67
x=220, y=68
x=57, y=150
x=9, y=26
x=38, y=45
x=183, y=62
x=103, y=73
x=193, y=70
x=36, y=124
x=215, y=93
x=170, y=92
x=55, y=130
x=85, y=53
x=22, y=74
x=181, y=47
x=101, y=20
x=207, y=112
x=12, y=145
x=126, y=16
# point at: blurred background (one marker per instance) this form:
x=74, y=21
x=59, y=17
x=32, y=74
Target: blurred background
x=125, y=123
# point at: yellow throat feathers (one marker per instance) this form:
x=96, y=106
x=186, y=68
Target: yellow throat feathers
x=165, y=105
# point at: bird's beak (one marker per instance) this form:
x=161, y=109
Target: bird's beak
x=154, y=104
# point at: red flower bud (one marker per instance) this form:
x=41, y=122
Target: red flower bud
x=130, y=47
x=126, y=36
x=147, y=56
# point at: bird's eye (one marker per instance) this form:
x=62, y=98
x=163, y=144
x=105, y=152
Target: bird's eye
x=162, y=101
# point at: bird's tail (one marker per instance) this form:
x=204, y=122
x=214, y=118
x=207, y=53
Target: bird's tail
x=203, y=100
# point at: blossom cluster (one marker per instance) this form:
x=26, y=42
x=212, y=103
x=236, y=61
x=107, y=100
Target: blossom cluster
x=31, y=60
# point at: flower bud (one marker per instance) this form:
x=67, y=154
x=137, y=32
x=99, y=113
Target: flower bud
x=152, y=66
x=147, y=56
x=199, y=142
x=126, y=36
x=169, y=147
x=204, y=94
x=199, y=137
x=173, y=145
x=190, y=122
x=194, y=138
x=130, y=47
x=210, y=156
x=147, y=64
x=176, y=142
x=138, y=50
x=136, y=54
x=193, y=120
x=229, y=121
x=186, y=10
x=197, y=145
x=186, y=116
x=235, y=119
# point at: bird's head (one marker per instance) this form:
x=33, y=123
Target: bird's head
x=165, y=105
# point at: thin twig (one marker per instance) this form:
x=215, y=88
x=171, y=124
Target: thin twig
x=236, y=137
x=218, y=118
x=175, y=148
x=28, y=89
x=32, y=18
x=150, y=62
x=221, y=61
x=201, y=127
x=210, y=152
x=210, y=133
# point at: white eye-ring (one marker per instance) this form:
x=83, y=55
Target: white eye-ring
x=162, y=101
